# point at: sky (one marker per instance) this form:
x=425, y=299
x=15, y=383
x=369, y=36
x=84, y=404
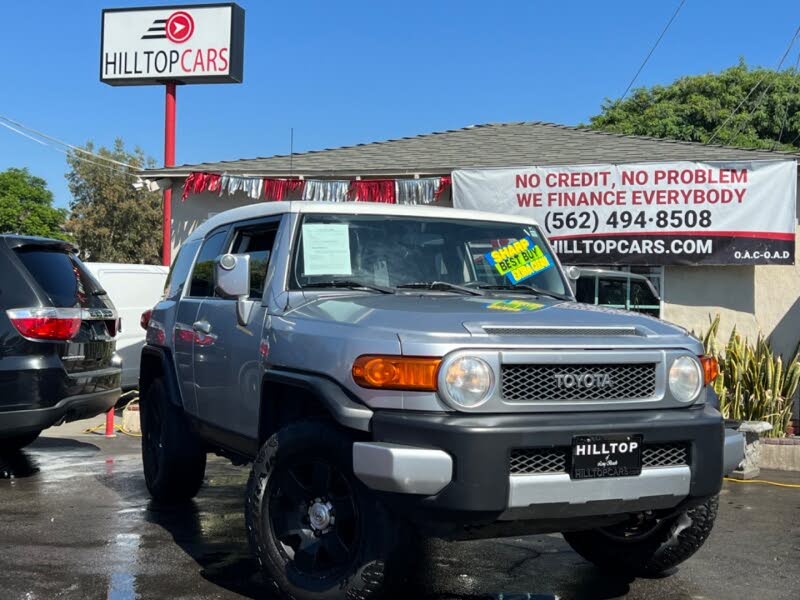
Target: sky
x=349, y=72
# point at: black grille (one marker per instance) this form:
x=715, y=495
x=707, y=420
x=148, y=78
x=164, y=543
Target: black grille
x=665, y=455
x=538, y=460
x=526, y=461
x=554, y=383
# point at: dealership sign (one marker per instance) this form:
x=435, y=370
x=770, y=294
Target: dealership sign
x=723, y=213
x=202, y=43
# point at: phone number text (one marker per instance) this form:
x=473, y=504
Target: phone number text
x=591, y=221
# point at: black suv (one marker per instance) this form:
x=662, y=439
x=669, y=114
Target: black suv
x=57, y=329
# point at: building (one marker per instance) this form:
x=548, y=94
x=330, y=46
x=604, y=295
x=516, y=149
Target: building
x=761, y=298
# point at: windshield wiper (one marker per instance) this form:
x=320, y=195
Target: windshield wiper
x=349, y=284
x=530, y=289
x=441, y=286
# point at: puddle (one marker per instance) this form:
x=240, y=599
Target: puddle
x=17, y=465
x=121, y=587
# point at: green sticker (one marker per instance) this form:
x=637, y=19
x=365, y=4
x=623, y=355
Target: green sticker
x=519, y=260
x=514, y=305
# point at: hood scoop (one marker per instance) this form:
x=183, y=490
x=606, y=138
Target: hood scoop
x=564, y=331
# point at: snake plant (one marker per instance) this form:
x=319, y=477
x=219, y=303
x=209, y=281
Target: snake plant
x=754, y=384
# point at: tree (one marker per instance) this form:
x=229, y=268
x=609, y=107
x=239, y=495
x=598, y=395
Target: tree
x=26, y=206
x=110, y=219
x=693, y=108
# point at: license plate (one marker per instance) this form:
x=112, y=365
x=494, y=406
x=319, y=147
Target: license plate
x=597, y=456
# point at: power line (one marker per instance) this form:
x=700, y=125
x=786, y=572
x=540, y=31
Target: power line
x=797, y=137
x=754, y=88
x=63, y=143
x=649, y=54
x=786, y=110
x=23, y=134
x=57, y=149
x=764, y=93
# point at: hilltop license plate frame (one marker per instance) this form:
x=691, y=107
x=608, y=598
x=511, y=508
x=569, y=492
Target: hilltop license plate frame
x=601, y=456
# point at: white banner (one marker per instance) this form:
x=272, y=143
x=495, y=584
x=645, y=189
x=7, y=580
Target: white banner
x=733, y=212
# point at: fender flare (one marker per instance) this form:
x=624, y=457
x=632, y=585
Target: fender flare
x=164, y=357
x=339, y=404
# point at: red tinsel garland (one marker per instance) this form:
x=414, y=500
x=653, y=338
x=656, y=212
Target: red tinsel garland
x=444, y=183
x=200, y=182
x=277, y=189
x=373, y=190
x=370, y=190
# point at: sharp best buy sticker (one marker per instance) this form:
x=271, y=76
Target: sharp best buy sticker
x=519, y=260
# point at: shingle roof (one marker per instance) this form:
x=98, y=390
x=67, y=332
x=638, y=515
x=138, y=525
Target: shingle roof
x=490, y=145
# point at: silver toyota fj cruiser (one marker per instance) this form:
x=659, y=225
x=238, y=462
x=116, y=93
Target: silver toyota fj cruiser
x=390, y=370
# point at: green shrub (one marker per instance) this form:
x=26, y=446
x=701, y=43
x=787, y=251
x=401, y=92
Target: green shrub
x=753, y=384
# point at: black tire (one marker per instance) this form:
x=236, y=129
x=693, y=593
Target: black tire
x=17, y=442
x=357, y=555
x=649, y=548
x=173, y=457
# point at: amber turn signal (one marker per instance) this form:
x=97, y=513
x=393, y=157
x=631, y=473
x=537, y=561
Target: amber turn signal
x=710, y=368
x=396, y=372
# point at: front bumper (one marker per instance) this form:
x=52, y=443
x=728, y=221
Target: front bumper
x=459, y=466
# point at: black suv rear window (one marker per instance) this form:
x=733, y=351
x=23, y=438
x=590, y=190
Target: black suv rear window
x=63, y=277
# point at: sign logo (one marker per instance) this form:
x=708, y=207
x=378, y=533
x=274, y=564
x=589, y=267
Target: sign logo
x=178, y=28
x=583, y=380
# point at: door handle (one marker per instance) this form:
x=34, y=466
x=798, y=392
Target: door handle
x=203, y=327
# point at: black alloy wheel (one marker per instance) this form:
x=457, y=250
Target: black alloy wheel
x=317, y=531
x=647, y=547
x=634, y=529
x=313, y=516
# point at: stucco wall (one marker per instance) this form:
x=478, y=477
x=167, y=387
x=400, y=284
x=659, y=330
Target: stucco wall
x=762, y=299
x=691, y=294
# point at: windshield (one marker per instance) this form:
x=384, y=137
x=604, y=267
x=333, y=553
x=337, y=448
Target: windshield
x=377, y=250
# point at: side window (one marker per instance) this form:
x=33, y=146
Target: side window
x=584, y=289
x=612, y=292
x=202, y=285
x=642, y=296
x=180, y=269
x=257, y=242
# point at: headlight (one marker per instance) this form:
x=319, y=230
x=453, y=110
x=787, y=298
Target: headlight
x=685, y=379
x=468, y=381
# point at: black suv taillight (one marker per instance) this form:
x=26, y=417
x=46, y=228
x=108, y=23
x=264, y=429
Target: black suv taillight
x=144, y=321
x=52, y=324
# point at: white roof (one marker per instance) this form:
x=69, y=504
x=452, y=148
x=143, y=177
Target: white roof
x=96, y=267
x=267, y=209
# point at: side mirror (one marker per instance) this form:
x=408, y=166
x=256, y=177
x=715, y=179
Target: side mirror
x=232, y=277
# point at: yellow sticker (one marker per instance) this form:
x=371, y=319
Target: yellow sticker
x=519, y=260
x=514, y=305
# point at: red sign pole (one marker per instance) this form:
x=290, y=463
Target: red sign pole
x=169, y=161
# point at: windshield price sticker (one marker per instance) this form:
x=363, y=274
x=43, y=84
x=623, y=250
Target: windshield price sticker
x=519, y=260
x=326, y=249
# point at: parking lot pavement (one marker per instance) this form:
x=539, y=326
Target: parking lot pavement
x=76, y=523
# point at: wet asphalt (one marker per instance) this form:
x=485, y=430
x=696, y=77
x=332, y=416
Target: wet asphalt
x=76, y=522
